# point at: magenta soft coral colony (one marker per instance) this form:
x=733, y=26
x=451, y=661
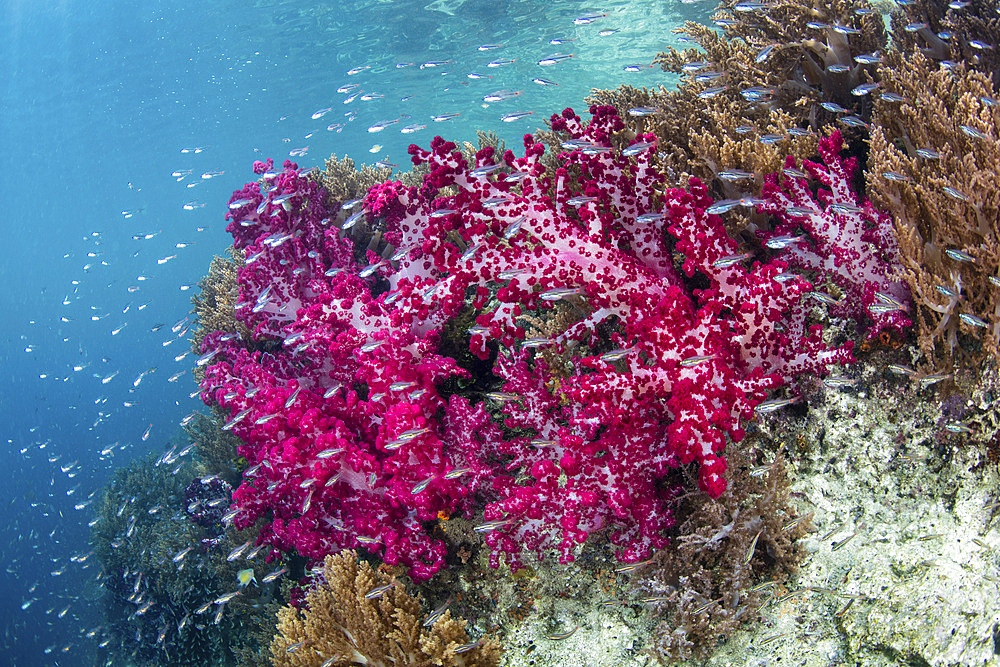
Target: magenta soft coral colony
x=852, y=245
x=351, y=437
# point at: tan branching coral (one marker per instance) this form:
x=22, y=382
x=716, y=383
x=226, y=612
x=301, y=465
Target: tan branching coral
x=342, y=626
x=344, y=181
x=790, y=55
x=934, y=164
x=483, y=139
x=969, y=33
x=702, y=137
x=215, y=301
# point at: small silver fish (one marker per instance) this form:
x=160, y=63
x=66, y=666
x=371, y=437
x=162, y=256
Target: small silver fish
x=735, y=175
x=632, y=567
x=223, y=599
x=433, y=617
x=237, y=552
x=730, y=260
x=934, y=378
x=706, y=606
x=517, y=115
x=615, y=355
x=838, y=382
x=782, y=242
x=696, y=360
x=959, y=255
x=753, y=546
x=379, y=591
x=972, y=320
x=947, y=291
x=421, y=486
x=502, y=396
x=954, y=193
x=773, y=405
x=562, y=635
x=490, y=526
x=274, y=575
x=465, y=648
x=823, y=297
x=559, y=293
x=766, y=52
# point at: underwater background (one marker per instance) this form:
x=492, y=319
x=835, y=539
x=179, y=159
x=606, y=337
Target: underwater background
x=127, y=128
x=99, y=101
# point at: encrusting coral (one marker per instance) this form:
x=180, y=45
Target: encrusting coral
x=357, y=616
x=933, y=166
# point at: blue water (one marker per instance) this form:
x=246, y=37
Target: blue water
x=98, y=102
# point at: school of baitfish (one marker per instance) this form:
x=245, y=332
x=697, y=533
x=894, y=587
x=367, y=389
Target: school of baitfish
x=478, y=70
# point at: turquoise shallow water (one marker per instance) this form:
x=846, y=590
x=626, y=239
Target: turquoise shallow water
x=102, y=103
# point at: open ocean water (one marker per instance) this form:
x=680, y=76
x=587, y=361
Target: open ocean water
x=124, y=128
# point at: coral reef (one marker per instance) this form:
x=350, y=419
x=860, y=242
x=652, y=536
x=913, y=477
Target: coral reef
x=933, y=166
x=356, y=615
x=846, y=242
x=350, y=425
x=545, y=347
x=213, y=302
x=967, y=32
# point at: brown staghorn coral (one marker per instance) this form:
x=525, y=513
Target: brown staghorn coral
x=945, y=200
x=789, y=55
x=343, y=181
x=341, y=626
x=969, y=33
x=214, y=302
x=703, y=584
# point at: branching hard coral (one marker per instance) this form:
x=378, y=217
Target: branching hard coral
x=356, y=616
x=213, y=303
x=934, y=165
x=725, y=548
x=967, y=32
x=344, y=181
x=787, y=54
